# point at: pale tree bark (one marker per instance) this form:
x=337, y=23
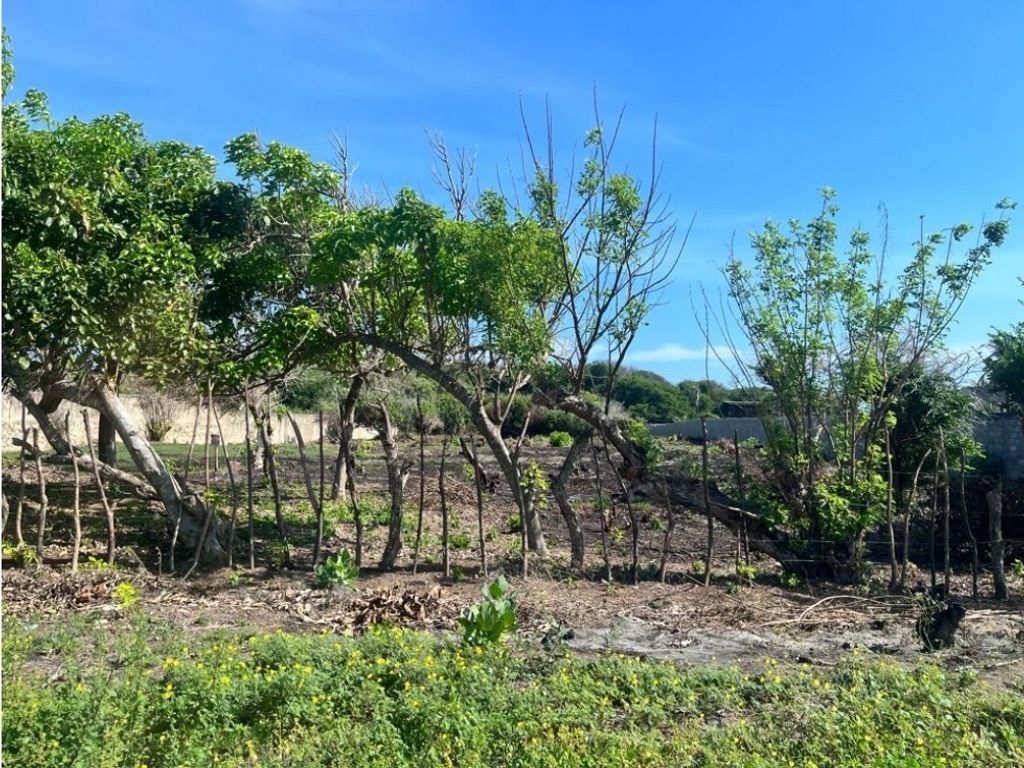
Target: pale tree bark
x=398, y=475
x=76, y=512
x=477, y=409
x=560, y=490
x=44, y=502
x=100, y=397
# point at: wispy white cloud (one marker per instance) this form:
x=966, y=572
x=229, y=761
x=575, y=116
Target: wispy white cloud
x=675, y=353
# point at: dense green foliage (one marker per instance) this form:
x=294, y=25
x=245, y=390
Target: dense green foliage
x=840, y=347
x=398, y=698
x=1005, y=367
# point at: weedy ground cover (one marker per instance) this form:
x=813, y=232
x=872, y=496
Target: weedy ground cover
x=147, y=696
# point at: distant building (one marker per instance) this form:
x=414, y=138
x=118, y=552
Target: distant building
x=738, y=409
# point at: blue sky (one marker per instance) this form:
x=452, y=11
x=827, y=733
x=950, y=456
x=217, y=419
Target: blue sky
x=917, y=105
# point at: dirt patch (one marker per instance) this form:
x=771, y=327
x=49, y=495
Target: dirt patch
x=682, y=623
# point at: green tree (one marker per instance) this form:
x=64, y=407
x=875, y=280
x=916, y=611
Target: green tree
x=105, y=253
x=651, y=398
x=1005, y=366
x=830, y=339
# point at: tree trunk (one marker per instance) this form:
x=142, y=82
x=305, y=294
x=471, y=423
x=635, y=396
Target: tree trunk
x=995, y=535
x=18, y=534
x=44, y=502
x=670, y=525
x=107, y=509
x=262, y=429
x=106, y=441
x=346, y=426
x=709, y=552
x=560, y=490
x=192, y=509
x=446, y=564
x=478, y=481
x=907, y=517
x=490, y=431
x=422, y=429
x=314, y=502
x=975, y=564
x=234, y=491
x=398, y=475
x=893, y=564
x=76, y=512
x=946, y=569
x=249, y=465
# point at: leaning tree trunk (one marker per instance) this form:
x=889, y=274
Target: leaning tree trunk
x=106, y=441
x=560, y=490
x=490, y=431
x=190, y=507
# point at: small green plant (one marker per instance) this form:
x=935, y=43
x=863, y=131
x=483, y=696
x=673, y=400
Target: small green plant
x=491, y=535
x=22, y=554
x=277, y=555
x=656, y=524
x=459, y=541
x=515, y=523
x=99, y=566
x=457, y=573
x=1017, y=568
x=789, y=579
x=746, y=571
x=617, y=535
x=125, y=595
x=337, y=570
x=732, y=588
x=699, y=567
x=559, y=439
x=491, y=619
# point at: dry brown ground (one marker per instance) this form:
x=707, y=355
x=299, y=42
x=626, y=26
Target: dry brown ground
x=730, y=621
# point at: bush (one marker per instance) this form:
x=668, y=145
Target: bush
x=559, y=439
x=493, y=618
x=337, y=570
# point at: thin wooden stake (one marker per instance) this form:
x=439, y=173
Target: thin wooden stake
x=76, y=513
x=249, y=484
x=234, y=490
x=44, y=502
x=319, y=543
x=707, y=501
x=21, y=481
x=111, y=540
x=207, y=500
x=975, y=564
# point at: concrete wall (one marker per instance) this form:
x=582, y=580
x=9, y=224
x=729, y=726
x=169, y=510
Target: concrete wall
x=232, y=423
x=1001, y=435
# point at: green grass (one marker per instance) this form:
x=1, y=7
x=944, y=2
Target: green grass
x=143, y=695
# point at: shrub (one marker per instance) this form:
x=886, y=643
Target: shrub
x=22, y=554
x=559, y=439
x=493, y=618
x=459, y=541
x=337, y=570
x=125, y=595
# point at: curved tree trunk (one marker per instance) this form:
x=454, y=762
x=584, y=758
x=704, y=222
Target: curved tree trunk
x=189, y=508
x=490, y=431
x=560, y=490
